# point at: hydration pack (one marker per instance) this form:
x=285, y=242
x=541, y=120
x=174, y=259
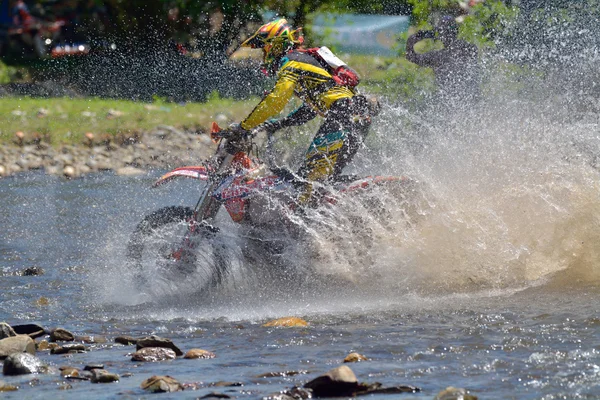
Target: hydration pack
x=340, y=72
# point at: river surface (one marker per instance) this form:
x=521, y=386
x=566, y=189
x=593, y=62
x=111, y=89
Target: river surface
x=535, y=338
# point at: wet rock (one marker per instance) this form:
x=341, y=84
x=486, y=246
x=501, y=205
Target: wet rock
x=91, y=367
x=452, y=393
x=286, y=322
x=91, y=339
x=32, y=330
x=152, y=354
x=282, y=374
x=32, y=271
x=199, y=353
x=215, y=395
x=22, y=364
x=60, y=334
x=126, y=340
x=16, y=344
x=65, y=386
x=161, y=384
x=339, y=381
x=69, y=372
x=5, y=387
x=68, y=348
x=377, y=388
x=103, y=376
x=6, y=330
x=354, y=357
x=155, y=341
x=42, y=345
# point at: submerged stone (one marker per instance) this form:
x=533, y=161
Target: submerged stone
x=161, y=384
x=286, y=322
x=199, y=353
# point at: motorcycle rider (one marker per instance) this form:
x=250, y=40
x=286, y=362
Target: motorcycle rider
x=326, y=86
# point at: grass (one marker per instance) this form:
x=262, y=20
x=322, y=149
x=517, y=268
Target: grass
x=66, y=121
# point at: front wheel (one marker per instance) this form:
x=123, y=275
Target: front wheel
x=170, y=246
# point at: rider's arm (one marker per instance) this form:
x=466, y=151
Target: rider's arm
x=300, y=116
x=272, y=104
x=421, y=59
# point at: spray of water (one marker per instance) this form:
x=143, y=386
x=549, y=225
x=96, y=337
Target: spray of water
x=505, y=197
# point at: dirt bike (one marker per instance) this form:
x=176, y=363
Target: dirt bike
x=186, y=239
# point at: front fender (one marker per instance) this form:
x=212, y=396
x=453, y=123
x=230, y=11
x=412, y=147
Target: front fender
x=194, y=172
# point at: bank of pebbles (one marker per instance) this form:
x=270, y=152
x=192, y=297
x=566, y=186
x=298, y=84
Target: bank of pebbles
x=164, y=147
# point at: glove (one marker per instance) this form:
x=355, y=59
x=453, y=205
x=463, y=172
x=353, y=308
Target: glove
x=271, y=126
x=233, y=131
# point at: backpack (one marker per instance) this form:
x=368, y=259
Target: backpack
x=340, y=72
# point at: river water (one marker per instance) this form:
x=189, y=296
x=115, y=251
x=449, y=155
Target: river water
x=490, y=283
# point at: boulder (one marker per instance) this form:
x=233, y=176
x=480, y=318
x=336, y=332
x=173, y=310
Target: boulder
x=153, y=354
x=161, y=384
x=6, y=330
x=199, y=353
x=287, y=322
x=16, y=344
x=339, y=381
x=155, y=341
x=60, y=334
x=22, y=364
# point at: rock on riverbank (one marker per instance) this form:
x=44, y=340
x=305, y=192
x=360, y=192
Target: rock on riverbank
x=164, y=147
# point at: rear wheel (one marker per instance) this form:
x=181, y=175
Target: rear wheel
x=168, y=245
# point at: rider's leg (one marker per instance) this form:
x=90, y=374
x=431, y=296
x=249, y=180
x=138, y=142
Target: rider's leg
x=323, y=155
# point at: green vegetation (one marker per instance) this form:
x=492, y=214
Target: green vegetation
x=64, y=120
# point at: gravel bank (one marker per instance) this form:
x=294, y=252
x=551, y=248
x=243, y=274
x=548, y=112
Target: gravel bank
x=162, y=148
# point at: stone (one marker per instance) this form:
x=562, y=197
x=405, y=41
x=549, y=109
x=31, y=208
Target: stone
x=43, y=346
x=32, y=271
x=67, y=348
x=22, y=364
x=33, y=330
x=452, y=393
x=69, y=372
x=339, y=381
x=153, y=354
x=16, y=344
x=60, y=334
x=354, y=357
x=199, y=353
x=6, y=330
x=155, y=341
x=103, y=376
x=161, y=384
x=5, y=387
x=126, y=340
x=287, y=322
x=91, y=367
